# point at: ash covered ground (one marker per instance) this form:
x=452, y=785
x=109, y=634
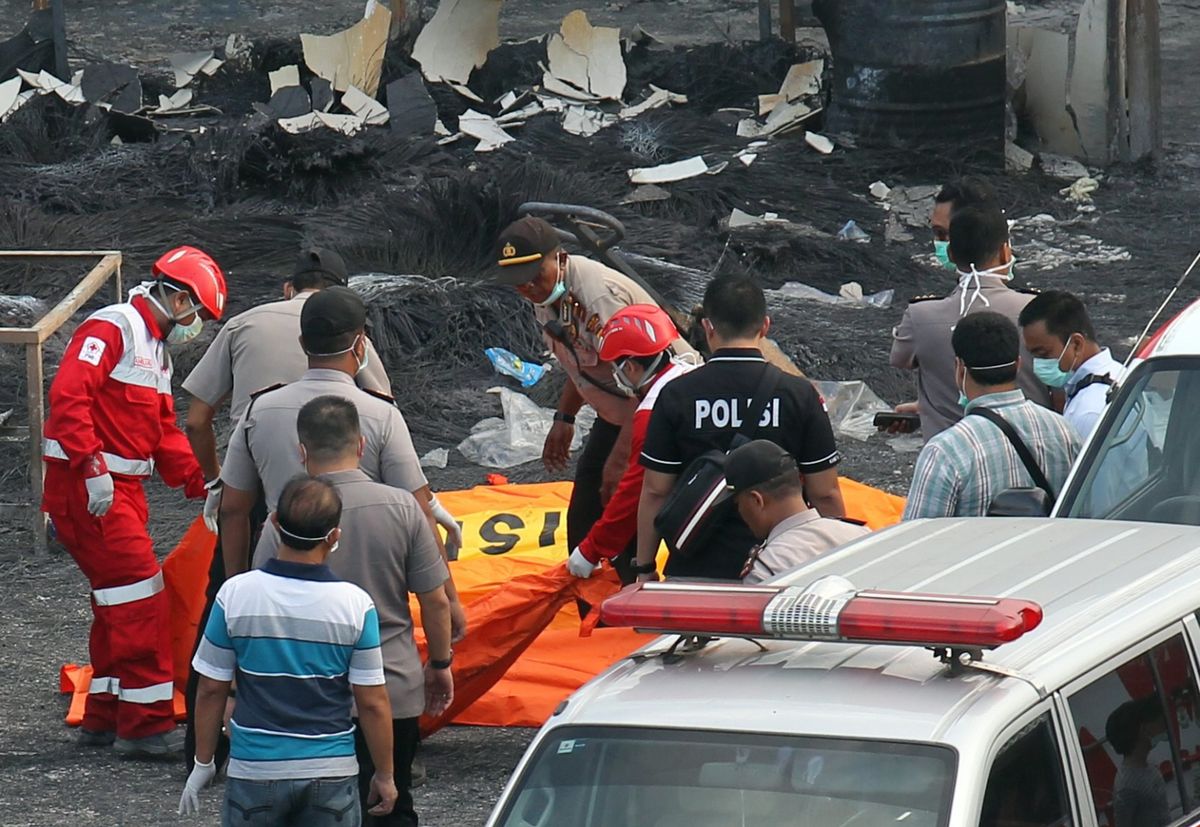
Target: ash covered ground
x=411, y=207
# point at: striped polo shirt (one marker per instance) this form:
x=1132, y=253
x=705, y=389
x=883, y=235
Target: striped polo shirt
x=297, y=639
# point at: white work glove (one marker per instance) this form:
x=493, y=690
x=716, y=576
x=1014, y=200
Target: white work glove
x=454, y=536
x=212, y=503
x=580, y=566
x=100, y=494
x=202, y=775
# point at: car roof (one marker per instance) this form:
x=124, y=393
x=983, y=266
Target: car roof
x=1178, y=337
x=1103, y=586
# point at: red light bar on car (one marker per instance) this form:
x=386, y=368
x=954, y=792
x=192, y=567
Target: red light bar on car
x=829, y=609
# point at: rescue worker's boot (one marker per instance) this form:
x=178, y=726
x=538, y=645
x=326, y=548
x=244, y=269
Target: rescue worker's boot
x=164, y=745
x=88, y=738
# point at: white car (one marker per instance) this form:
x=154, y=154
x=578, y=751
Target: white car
x=1064, y=693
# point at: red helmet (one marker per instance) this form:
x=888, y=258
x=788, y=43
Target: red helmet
x=637, y=330
x=195, y=271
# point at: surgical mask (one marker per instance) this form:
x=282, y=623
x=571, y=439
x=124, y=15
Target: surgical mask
x=967, y=279
x=560, y=288
x=962, y=398
x=334, y=547
x=1049, y=372
x=941, y=249
x=181, y=334
x=366, y=360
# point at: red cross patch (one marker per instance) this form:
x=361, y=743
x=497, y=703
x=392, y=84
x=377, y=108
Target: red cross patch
x=92, y=350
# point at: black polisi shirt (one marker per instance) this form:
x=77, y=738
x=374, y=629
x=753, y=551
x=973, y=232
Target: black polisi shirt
x=703, y=410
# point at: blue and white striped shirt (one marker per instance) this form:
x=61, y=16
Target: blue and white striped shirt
x=961, y=469
x=296, y=638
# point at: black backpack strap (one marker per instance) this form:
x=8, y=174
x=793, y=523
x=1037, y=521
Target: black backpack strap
x=1093, y=379
x=762, y=397
x=1027, y=458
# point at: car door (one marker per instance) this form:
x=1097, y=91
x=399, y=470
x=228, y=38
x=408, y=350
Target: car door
x=1131, y=727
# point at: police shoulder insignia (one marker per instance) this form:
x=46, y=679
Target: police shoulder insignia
x=1033, y=291
x=268, y=389
x=391, y=400
x=926, y=298
x=594, y=325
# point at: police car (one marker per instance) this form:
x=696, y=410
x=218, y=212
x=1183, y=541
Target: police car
x=1143, y=460
x=959, y=672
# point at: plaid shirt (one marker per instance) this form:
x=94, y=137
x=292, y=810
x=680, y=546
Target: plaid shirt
x=963, y=468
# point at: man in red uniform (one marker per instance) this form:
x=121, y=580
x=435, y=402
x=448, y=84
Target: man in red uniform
x=111, y=423
x=637, y=341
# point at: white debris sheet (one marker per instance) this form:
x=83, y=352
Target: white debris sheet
x=457, y=40
x=586, y=59
x=371, y=111
x=666, y=173
x=283, y=77
x=354, y=56
x=186, y=65
x=484, y=127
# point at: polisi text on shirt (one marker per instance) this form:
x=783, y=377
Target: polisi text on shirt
x=727, y=413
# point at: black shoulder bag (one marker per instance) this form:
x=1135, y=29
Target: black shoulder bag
x=1018, y=444
x=686, y=519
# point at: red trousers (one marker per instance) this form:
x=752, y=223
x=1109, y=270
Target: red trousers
x=130, y=644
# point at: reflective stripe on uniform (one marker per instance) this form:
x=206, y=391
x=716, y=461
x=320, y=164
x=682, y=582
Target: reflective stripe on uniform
x=117, y=595
x=52, y=449
x=152, y=694
x=103, y=686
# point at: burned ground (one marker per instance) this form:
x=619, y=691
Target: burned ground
x=252, y=194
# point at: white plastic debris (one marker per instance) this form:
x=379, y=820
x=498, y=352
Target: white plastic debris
x=818, y=142
x=852, y=232
x=1080, y=192
x=852, y=407
x=283, y=77
x=880, y=190
x=517, y=437
x=850, y=294
x=437, y=458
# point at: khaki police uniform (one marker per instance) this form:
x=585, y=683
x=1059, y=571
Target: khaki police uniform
x=261, y=348
x=921, y=342
x=265, y=448
x=594, y=294
x=796, y=540
x=387, y=549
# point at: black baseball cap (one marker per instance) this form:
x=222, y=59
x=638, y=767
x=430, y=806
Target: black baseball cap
x=521, y=247
x=332, y=312
x=326, y=263
x=755, y=463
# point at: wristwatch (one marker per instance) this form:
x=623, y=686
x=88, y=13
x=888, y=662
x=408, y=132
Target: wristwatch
x=565, y=418
x=644, y=568
x=442, y=664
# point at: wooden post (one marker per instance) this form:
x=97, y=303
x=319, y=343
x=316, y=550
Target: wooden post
x=764, y=19
x=787, y=20
x=33, y=397
x=58, y=19
x=1143, y=52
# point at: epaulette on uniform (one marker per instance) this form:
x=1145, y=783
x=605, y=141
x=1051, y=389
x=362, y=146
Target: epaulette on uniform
x=929, y=297
x=1032, y=291
x=268, y=389
x=391, y=400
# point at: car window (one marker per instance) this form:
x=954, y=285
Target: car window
x=1130, y=474
x=1026, y=786
x=644, y=777
x=1140, y=738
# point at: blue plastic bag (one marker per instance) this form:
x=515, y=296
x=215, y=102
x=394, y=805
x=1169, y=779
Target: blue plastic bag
x=508, y=363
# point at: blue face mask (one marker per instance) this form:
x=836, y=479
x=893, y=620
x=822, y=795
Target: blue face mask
x=560, y=287
x=1049, y=372
x=181, y=334
x=941, y=249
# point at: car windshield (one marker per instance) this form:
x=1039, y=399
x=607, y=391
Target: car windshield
x=1145, y=463
x=634, y=777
